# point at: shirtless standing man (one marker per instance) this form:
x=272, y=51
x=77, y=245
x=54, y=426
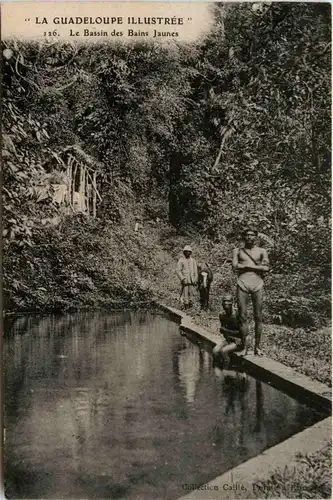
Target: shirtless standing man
x=250, y=263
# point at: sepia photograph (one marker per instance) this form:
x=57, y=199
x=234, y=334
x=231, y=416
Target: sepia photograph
x=166, y=250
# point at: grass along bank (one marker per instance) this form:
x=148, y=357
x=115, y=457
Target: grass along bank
x=310, y=478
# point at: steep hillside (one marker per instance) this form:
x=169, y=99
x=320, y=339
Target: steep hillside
x=190, y=142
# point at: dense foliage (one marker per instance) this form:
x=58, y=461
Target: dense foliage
x=232, y=129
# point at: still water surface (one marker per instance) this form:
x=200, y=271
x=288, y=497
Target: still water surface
x=120, y=405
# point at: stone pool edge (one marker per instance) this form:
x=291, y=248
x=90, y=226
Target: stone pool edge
x=243, y=479
x=283, y=377
x=236, y=482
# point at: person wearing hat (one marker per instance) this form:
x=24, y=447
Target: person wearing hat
x=229, y=327
x=187, y=272
x=251, y=264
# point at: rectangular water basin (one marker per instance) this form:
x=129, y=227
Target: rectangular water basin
x=120, y=405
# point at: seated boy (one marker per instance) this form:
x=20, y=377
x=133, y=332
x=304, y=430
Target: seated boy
x=229, y=327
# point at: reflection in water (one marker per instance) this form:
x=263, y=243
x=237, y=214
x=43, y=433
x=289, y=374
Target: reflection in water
x=119, y=405
x=189, y=370
x=192, y=362
x=235, y=385
x=259, y=407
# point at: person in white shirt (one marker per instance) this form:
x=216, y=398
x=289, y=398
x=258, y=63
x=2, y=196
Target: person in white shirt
x=187, y=272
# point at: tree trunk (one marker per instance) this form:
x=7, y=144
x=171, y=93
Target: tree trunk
x=174, y=178
x=94, y=194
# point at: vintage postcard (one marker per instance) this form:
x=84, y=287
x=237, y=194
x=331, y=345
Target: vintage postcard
x=166, y=250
